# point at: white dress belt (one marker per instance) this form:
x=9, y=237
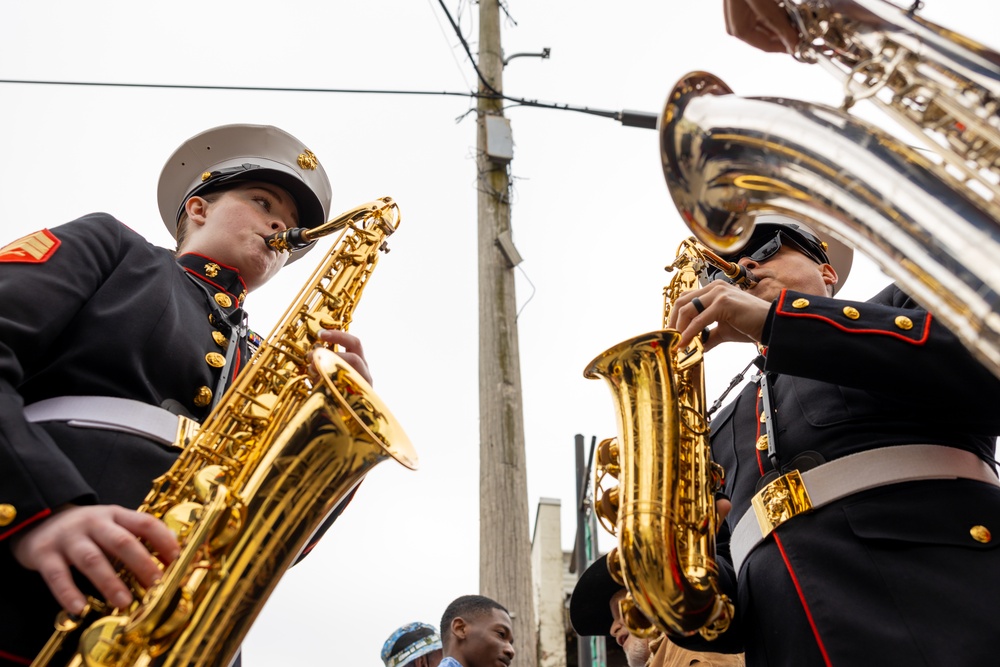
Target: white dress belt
x=107, y=413
x=795, y=492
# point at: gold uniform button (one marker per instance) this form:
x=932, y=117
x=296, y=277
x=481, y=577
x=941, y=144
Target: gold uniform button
x=203, y=397
x=980, y=534
x=215, y=359
x=851, y=313
x=763, y=418
x=220, y=339
x=904, y=323
x=7, y=514
x=762, y=443
x=223, y=299
x=800, y=303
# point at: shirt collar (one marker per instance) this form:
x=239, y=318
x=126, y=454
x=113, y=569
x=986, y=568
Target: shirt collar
x=222, y=277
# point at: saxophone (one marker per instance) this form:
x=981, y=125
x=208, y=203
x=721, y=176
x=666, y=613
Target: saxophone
x=930, y=219
x=663, y=510
x=287, y=443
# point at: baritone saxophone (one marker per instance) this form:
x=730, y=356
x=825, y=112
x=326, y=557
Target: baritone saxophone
x=929, y=218
x=663, y=509
x=287, y=443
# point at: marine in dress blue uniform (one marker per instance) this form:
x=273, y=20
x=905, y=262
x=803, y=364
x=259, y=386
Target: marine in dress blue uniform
x=91, y=309
x=905, y=573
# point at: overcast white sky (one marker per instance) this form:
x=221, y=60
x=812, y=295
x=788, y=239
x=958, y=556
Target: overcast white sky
x=591, y=217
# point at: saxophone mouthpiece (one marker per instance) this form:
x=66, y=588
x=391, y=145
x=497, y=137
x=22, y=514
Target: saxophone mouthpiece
x=745, y=279
x=295, y=238
x=735, y=273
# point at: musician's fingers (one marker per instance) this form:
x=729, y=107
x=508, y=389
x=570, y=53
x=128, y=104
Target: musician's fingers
x=55, y=572
x=122, y=546
x=353, y=352
x=162, y=541
x=91, y=561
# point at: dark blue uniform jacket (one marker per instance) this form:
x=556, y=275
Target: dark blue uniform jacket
x=91, y=308
x=890, y=576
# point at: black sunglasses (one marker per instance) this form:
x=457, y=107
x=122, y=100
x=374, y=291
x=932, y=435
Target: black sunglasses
x=765, y=248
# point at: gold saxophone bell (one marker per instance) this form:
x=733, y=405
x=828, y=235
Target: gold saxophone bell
x=666, y=519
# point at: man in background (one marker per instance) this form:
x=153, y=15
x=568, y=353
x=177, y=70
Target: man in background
x=476, y=632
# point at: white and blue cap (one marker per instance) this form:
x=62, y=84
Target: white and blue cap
x=230, y=153
x=409, y=643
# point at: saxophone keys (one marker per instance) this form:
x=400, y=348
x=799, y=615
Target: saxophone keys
x=207, y=479
x=182, y=517
x=261, y=406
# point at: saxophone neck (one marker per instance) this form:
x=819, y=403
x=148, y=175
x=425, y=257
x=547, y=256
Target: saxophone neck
x=298, y=238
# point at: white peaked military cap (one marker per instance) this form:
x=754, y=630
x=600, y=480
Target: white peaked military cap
x=230, y=153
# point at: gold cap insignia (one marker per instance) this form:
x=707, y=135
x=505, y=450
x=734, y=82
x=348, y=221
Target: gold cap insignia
x=308, y=159
x=205, y=176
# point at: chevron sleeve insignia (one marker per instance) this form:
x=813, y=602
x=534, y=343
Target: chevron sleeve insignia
x=32, y=249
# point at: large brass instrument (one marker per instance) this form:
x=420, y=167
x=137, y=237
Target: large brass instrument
x=663, y=509
x=286, y=444
x=929, y=219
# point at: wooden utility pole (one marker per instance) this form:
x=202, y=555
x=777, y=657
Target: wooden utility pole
x=504, y=545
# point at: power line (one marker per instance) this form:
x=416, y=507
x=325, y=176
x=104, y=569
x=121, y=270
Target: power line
x=629, y=118
x=250, y=88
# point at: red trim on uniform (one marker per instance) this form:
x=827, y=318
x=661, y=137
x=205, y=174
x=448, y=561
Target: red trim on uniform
x=802, y=599
x=41, y=515
x=35, y=248
x=15, y=658
x=834, y=323
x=214, y=284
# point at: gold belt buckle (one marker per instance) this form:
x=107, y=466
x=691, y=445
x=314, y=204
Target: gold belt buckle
x=780, y=500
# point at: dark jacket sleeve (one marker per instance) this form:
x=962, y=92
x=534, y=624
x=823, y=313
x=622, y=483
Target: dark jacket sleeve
x=45, y=279
x=888, y=345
